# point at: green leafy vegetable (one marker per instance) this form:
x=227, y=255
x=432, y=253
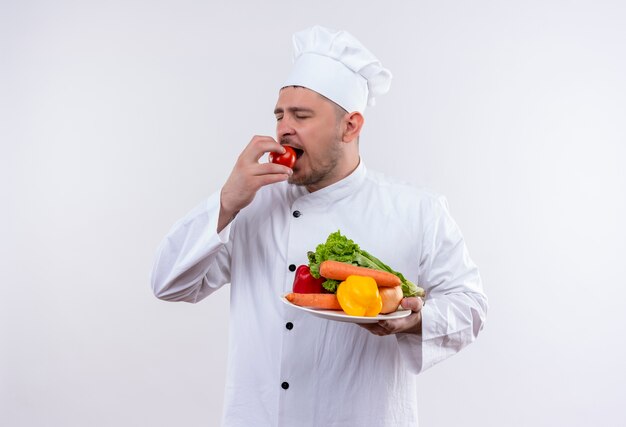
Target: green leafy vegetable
x=340, y=248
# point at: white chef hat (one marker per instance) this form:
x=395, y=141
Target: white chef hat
x=336, y=65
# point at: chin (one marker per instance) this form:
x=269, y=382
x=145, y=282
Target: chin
x=293, y=179
x=297, y=178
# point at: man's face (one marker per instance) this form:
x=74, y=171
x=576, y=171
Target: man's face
x=309, y=123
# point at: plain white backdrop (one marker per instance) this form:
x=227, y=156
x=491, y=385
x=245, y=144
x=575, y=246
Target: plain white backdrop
x=118, y=117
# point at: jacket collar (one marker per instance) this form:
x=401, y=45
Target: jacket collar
x=333, y=192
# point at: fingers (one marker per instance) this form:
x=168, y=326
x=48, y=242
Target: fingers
x=400, y=325
x=412, y=303
x=271, y=179
x=388, y=327
x=258, y=146
x=248, y=162
x=248, y=175
x=375, y=329
x=257, y=175
x=409, y=324
x=258, y=169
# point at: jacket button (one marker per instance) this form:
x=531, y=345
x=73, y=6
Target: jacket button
x=292, y=267
x=289, y=325
x=285, y=385
x=296, y=214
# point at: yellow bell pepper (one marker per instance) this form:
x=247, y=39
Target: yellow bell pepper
x=359, y=296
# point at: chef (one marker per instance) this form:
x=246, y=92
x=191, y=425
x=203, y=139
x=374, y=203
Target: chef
x=287, y=367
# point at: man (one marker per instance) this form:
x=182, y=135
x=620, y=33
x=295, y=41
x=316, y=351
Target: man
x=287, y=367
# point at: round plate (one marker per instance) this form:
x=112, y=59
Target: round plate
x=341, y=316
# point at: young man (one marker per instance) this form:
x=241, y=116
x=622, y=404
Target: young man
x=287, y=367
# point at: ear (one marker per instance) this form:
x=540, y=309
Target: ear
x=352, y=126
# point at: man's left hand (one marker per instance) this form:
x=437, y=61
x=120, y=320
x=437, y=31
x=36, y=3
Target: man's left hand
x=411, y=324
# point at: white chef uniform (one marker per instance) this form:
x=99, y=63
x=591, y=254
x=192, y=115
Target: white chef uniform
x=289, y=368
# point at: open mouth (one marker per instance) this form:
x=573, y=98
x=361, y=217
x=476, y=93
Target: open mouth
x=298, y=151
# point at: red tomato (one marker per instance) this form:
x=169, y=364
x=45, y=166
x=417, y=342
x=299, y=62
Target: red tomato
x=288, y=159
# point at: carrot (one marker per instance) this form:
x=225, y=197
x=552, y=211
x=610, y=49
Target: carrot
x=341, y=270
x=322, y=301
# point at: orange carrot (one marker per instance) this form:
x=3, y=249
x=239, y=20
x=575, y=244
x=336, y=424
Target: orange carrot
x=322, y=301
x=341, y=270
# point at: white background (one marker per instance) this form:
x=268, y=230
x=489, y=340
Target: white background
x=118, y=117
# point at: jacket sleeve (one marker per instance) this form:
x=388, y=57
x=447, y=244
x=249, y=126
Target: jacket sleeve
x=455, y=307
x=193, y=260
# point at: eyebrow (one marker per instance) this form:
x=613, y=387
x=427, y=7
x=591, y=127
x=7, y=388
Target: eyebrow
x=294, y=110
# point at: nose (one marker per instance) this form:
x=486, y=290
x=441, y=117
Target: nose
x=284, y=127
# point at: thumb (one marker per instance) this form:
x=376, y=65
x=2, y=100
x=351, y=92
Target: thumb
x=412, y=303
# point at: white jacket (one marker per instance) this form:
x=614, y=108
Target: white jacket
x=321, y=372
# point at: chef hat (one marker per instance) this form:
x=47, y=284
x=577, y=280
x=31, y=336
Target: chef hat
x=336, y=65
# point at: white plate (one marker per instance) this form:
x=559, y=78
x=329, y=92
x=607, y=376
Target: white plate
x=341, y=316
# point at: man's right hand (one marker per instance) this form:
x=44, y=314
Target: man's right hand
x=248, y=176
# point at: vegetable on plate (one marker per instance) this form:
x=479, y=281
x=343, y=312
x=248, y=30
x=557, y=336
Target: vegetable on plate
x=359, y=296
x=305, y=283
x=364, y=285
x=320, y=301
x=339, y=248
x=341, y=271
x=392, y=297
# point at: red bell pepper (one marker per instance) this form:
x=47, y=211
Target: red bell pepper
x=304, y=283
